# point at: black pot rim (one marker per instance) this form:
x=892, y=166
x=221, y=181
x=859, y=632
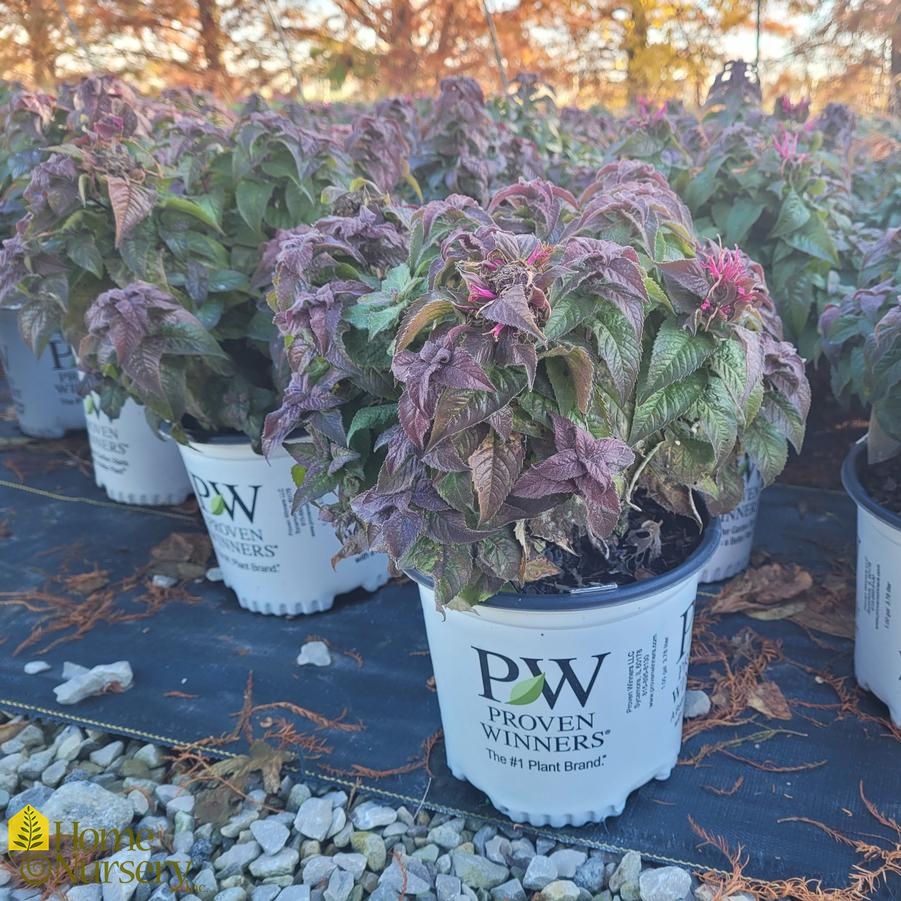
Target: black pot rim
x=854, y=462
x=596, y=597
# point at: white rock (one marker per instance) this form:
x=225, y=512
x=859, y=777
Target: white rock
x=315, y=653
x=664, y=884
x=214, y=574
x=696, y=704
x=95, y=681
x=118, y=887
x=33, y=667
x=104, y=756
x=151, y=756
x=161, y=581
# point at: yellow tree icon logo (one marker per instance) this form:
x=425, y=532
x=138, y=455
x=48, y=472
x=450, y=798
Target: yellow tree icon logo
x=29, y=830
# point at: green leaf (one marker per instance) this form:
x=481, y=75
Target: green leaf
x=619, y=348
x=252, y=199
x=82, y=251
x=562, y=383
x=423, y=312
x=766, y=447
x=217, y=505
x=792, y=215
x=568, y=312
x=676, y=354
x=741, y=218
x=202, y=212
x=527, y=691
x=717, y=418
x=815, y=241
x=702, y=187
x=373, y=319
x=502, y=555
x=665, y=405
x=371, y=418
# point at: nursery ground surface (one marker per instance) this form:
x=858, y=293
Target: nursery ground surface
x=794, y=769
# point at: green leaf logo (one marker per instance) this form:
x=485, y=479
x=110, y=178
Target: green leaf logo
x=217, y=505
x=89, y=405
x=527, y=691
x=28, y=830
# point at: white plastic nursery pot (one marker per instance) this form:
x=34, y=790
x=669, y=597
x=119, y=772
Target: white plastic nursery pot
x=131, y=462
x=606, y=717
x=44, y=389
x=736, y=532
x=274, y=560
x=877, y=629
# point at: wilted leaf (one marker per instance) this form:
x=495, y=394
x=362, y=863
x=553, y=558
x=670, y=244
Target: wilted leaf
x=767, y=698
x=782, y=611
x=761, y=585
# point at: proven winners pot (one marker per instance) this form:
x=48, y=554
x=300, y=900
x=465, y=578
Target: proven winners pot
x=131, y=462
x=877, y=638
x=44, y=389
x=275, y=560
x=558, y=706
x=736, y=532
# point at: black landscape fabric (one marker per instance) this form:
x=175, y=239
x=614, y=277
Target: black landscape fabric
x=791, y=742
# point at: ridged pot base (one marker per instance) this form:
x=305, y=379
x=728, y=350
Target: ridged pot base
x=557, y=707
x=276, y=559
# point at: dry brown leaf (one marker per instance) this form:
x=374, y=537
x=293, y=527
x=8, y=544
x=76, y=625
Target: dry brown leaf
x=183, y=547
x=839, y=624
x=783, y=611
x=767, y=698
x=11, y=729
x=87, y=583
x=767, y=584
x=183, y=555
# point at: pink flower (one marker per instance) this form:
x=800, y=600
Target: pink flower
x=786, y=145
x=734, y=284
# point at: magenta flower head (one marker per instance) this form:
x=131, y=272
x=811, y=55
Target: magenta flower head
x=786, y=110
x=786, y=146
x=506, y=277
x=721, y=287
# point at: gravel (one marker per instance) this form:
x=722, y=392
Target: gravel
x=303, y=843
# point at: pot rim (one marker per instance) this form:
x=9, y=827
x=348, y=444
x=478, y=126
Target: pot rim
x=851, y=467
x=601, y=596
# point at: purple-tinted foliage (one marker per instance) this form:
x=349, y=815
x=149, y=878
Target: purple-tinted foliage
x=380, y=150
x=154, y=344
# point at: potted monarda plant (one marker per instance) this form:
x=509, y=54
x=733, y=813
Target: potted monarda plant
x=862, y=339
x=85, y=229
x=44, y=385
x=565, y=404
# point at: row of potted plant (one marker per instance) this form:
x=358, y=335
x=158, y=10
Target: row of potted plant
x=532, y=400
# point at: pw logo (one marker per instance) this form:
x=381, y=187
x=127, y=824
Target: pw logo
x=498, y=669
x=29, y=830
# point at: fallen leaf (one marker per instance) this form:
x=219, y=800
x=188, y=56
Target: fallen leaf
x=761, y=585
x=767, y=698
x=11, y=729
x=183, y=555
x=839, y=624
x=187, y=547
x=783, y=611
